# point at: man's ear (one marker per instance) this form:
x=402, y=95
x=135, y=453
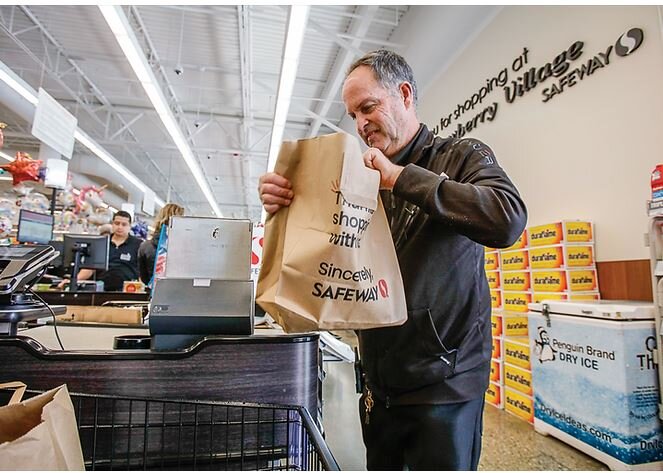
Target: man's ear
x=407, y=93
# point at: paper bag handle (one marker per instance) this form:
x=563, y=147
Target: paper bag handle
x=359, y=185
x=18, y=393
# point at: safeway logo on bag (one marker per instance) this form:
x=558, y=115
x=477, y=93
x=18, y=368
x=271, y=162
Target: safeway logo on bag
x=329, y=290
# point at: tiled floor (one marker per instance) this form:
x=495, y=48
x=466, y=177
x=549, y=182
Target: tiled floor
x=508, y=442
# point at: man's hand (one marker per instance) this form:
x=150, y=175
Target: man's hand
x=275, y=192
x=63, y=283
x=389, y=172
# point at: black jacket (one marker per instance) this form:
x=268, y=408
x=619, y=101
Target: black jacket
x=146, y=256
x=439, y=226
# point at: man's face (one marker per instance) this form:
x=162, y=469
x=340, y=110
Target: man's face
x=121, y=226
x=380, y=114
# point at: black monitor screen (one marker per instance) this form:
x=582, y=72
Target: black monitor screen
x=92, y=248
x=34, y=227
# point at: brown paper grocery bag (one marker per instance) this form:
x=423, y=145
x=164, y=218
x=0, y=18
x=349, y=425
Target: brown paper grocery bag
x=39, y=433
x=328, y=259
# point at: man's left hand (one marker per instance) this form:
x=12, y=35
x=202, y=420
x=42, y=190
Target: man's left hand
x=389, y=172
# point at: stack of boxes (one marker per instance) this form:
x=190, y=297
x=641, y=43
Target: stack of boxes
x=553, y=261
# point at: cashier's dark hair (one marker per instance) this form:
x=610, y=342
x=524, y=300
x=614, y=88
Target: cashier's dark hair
x=122, y=213
x=390, y=69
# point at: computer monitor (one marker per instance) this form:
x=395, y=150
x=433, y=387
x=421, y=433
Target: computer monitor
x=85, y=252
x=34, y=227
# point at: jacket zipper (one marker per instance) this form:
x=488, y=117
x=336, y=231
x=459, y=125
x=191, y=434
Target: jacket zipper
x=368, y=405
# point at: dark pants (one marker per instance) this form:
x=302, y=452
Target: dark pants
x=423, y=437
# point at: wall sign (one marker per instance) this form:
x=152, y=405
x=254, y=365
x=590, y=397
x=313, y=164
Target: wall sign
x=567, y=69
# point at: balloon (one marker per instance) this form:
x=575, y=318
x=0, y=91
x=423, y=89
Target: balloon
x=23, y=168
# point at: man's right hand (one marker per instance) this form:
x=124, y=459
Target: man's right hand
x=275, y=192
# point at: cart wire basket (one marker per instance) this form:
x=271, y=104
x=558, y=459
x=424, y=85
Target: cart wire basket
x=123, y=433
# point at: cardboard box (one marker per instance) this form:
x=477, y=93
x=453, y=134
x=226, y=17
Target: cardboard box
x=517, y=352
x=491, y=261
x=103, y=314
x=519, y=281
x=495, y=298
x=521, y=242
x=497, y=353
x=519, y=405
x=565, y=280
x=515, y=260
x=516, y=301
x=515, y=325
x=496, y=370
x=496, y=324
x=568, y=231
x=562, y=257
x=518, y=379
x=494, y=395
x=565, y=296
x=494, y=279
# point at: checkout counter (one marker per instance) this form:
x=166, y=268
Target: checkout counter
x=261, y=365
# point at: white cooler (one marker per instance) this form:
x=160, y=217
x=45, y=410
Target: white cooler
x=595, y=381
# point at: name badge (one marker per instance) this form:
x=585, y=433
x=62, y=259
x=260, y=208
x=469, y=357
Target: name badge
x=125, y=256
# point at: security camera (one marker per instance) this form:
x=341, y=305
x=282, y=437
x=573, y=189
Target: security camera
x=196, y=124
x=179, y=70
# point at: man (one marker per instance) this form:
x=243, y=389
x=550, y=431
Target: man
x=422, y=404
x=122, y=255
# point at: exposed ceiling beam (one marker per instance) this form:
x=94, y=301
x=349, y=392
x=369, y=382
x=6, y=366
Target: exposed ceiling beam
x=359, y=29
x=244, y=33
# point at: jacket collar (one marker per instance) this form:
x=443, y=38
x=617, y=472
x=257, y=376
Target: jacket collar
x=414, y=150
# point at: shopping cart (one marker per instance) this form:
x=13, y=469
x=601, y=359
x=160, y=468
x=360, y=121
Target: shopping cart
x=157, y=434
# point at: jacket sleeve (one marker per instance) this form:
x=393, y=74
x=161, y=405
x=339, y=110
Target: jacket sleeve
x=477, y=199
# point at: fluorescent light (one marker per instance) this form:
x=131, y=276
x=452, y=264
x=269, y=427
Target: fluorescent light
x=6, y=156
x=293, y=44
x=21, y=89
x=126, y=38
x=6, y=178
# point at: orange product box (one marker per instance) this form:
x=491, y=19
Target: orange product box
x=515, y=260
x=496, y=324
x=515, y=325
x=516, y=301
x=494, y=395
x=518, y=404
x=517, y=352
x=495, y=298
x=565, y=280
x=561, y=257
x=496, y=371
x=518, y=281
x=518, y=379
x=565, y=296
x=497, y=348
x=491, y=261
x=520, y=243
x=567, y=231
x=494, y=279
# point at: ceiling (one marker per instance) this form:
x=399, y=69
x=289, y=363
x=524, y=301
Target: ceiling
x=218, y=65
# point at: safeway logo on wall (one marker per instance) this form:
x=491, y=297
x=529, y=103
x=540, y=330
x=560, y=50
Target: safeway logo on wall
x=629, y=42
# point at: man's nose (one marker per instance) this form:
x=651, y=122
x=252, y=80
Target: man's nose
x=361, y=124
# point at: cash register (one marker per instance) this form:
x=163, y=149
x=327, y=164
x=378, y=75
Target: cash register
x=21, y=266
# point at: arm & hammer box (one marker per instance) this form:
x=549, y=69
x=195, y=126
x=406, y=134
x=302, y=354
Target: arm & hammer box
x=567, y=231
x=494, y=395
x=562, y=257
x=565, y=280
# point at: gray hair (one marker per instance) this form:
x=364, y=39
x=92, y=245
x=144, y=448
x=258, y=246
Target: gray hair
x=390, y=69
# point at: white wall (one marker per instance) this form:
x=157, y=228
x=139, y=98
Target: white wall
x=587, y=153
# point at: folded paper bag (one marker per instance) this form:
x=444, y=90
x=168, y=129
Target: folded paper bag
x=39, y=433
x=328, y=259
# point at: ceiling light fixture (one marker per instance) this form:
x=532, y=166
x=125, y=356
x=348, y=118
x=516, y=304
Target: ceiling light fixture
x=119, y=25
x=24, y=90
x=293, y=46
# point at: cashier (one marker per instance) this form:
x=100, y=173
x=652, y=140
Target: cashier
x=122, y=256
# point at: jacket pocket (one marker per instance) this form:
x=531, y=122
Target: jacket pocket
x=419, y=360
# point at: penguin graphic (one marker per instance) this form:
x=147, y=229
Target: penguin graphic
x=544, y=351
